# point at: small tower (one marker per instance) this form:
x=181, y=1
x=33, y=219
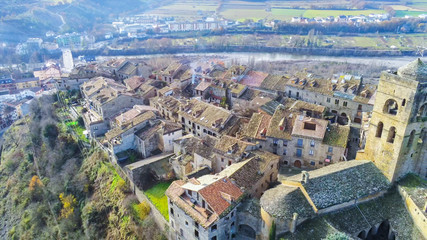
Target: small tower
x=396, y=140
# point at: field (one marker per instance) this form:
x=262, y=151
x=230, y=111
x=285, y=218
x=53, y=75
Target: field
x=334, y=13
x=271, y=10
x=401, y=13
x=157, y=196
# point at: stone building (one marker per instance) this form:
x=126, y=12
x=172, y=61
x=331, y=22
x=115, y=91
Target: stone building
x=309, y=194
x=201, y=119
x=192, y=155
x=203, y=208
x=255, y=174
x=296, y=132
x=345, y=97
x=397, y=135
x=229, y=150
x=168, y=106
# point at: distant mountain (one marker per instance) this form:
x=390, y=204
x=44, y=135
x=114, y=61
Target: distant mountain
x=21, y=19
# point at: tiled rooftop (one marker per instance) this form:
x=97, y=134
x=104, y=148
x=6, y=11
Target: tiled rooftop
x=342, y=182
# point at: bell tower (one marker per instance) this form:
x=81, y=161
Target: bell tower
x=396, y=140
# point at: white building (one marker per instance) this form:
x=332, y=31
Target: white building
x=67, y=58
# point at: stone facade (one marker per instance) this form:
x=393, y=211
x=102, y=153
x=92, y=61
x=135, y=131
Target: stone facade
x=396, y=140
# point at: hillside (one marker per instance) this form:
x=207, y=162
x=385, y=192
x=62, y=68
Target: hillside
x=22, y=19
x=50, y=190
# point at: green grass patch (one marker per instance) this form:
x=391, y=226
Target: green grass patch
x=157, y=196
x=243, y=14
x=75, y=123
x=286, y=14
x=365, y=42
x=117, y=182
x=402, y=13
x=334, y=13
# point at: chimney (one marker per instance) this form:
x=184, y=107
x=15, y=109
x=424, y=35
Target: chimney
x=294, y=223
x=305, y=177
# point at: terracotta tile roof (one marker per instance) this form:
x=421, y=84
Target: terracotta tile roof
x=205, y=114
x=134, y=82
x=281, y=124
x=220, y=194
x=137, y=120
x=232, y=146
x=247, y=173
x=203, y=85
x=253, y=78
x=257, y=126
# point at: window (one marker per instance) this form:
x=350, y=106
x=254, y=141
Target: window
x=196, y=233
x=344, y=104
x=312, y=143
x=198, y=127
x=189, y=122
x=411, y=138
x=299, y=142
x=213, y=238
x=309, y=126
x=204, y=130
x=337, y=101
x=284, y=152
x=186, y=223
x=290, y=93
x=379, y=130
x=311, y=152
x=329, y=157
x=196, y=224
x=390, y=107
x=328, y=100
x=312, y=163
x=330, y=149
x=222, y=159
x=285, y=143
x=297, y=94
x=391, y=135
x=275, y=141
x=271, y=166
x=299, y=152
x=359, y=107
x=229, y=162
x=232, y=214
x=213, y=228
x=172, y=211
x=320, y=162
x=285, y=162
x=403, y=102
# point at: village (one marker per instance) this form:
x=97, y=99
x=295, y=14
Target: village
x=236, y=152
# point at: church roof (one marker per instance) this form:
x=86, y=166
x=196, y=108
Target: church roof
x=416, y=70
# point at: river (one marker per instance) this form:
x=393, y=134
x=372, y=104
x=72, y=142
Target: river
x=243, y=57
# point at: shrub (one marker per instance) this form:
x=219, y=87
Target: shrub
x=68, y=203
x=141, y=210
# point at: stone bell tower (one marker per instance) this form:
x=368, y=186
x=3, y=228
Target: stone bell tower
x=396, y=140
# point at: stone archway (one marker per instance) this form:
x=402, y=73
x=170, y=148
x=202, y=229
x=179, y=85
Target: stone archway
x=343, y=119
x=247, y=231
x=297, y=163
